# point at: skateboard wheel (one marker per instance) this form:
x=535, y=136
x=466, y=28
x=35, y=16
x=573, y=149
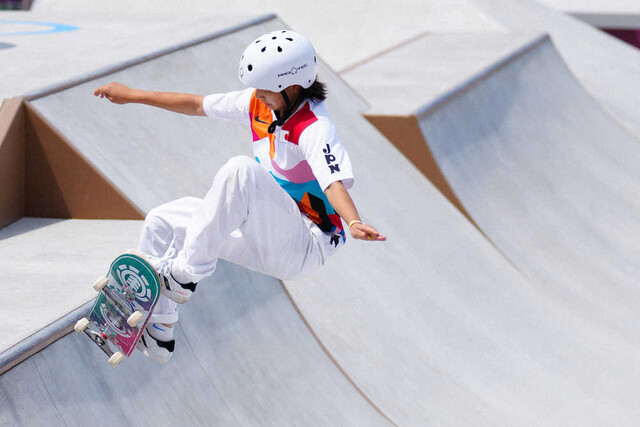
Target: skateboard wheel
x=116, y=359
x=135, y=318
x=81, y=325
x=99, y=284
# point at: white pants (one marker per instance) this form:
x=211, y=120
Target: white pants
x=245, y=218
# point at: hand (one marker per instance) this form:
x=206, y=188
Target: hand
x=366, y=232
x=115, y=92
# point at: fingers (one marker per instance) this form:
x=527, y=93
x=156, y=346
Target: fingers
x=367, y=232
x=111, y=91
x=102, y=91
x=375, y=237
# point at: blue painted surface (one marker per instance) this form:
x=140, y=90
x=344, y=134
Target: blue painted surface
x=48, y=28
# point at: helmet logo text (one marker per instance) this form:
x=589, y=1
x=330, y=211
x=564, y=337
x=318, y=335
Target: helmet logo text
x=293, y=71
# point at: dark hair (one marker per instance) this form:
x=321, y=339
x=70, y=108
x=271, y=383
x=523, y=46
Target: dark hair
x=316, y=92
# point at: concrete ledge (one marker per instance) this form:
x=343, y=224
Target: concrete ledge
x=438, y=74
x=49, y=90
x=492, y=69
x=41, y=339
x=48, y=267
x=97, y=44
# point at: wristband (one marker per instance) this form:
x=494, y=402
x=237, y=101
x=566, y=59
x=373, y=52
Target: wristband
x=353, y=222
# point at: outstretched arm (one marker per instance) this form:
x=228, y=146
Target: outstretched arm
x=343, y=204
x=182, y=103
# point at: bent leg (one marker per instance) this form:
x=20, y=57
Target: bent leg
x=248, y=219
x=163, y=225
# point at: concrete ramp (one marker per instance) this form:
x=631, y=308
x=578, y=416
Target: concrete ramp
x=551, y=179
x=48, y=270
x=437, y=325
x=244, y=358
x=607, y=67
x=432, y=327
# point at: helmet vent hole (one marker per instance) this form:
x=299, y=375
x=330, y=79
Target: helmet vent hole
x=274, y=37
x=314, y=59
x=257, y=41
x=290, y=39
x=250, y=67
x=263, y=49
x=279, y=49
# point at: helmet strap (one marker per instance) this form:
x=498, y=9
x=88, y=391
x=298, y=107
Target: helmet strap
x=281, y=118
x=286, y=98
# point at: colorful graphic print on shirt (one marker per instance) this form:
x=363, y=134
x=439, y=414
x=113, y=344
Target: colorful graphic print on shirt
x=298, y=181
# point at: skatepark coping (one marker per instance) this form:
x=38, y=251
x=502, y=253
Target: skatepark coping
x=46, y=91
x=41, y=339
x=453, y=92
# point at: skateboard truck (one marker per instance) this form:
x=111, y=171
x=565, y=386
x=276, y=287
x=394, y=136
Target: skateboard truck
x=101, y=340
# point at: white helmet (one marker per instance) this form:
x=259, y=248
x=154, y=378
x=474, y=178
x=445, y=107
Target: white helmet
x=277, y=60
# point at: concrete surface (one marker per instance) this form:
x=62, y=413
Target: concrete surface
x=434, y=326
x=243, y=358
x=542, y=169
x=364, y=27
x=439, y=62
x=450, y=326
x=552, y=180
x=140, y=136
x=607, y=67
x=72, y=47
x=47, y=270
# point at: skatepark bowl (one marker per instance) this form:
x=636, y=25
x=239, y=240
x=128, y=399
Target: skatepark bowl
x=507, y=184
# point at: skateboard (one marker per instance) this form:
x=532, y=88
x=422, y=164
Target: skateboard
x=126, y=298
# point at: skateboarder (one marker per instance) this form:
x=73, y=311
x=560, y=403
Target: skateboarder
x=280, y=213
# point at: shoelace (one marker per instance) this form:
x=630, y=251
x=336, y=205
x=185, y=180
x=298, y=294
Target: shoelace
x=164, y=263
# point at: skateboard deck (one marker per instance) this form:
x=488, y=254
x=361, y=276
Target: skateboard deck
x=127, y=295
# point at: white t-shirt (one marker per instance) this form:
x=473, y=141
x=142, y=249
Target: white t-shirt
x=304, y=156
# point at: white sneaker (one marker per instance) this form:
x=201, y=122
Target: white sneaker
x=157, y=342
x=174, y=290
x=170, y=287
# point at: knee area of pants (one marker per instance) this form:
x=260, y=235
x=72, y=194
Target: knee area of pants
x=239, y=166
x=154, y=220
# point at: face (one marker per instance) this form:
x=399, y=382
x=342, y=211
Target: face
x=274, y=100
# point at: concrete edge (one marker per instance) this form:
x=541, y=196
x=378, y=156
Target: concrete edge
x=331, y=357
x=41, y=339
x=482, y=75
x=59, y=87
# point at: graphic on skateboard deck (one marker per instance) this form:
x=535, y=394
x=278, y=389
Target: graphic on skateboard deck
x=126, y=298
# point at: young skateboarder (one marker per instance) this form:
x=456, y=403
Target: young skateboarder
x=280, y=213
